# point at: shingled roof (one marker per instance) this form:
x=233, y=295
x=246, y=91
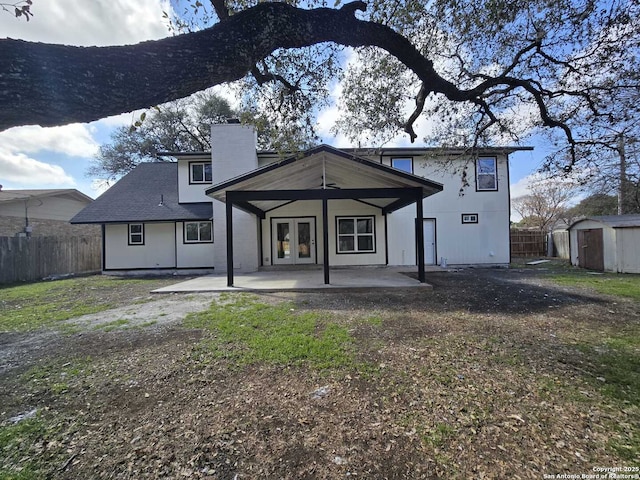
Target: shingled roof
x=149, y=193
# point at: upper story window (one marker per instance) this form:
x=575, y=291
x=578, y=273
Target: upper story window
x=200, y=172
x=136, y=234
x=405, y=164
x=486, y=174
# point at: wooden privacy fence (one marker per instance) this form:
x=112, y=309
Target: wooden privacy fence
x=27, y=259
x=561, y=243
x=528, y=243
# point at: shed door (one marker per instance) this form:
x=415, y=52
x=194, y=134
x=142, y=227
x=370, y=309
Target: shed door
x=590, y=249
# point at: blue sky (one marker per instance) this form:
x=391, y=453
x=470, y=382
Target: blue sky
x=35, y=157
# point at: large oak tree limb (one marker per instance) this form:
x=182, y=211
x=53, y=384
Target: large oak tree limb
x=56, y=84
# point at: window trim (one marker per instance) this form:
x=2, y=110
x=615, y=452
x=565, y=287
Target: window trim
x=129, y=234
x=197, y=182
x=403, y=158
x=473, y=218
x=198, y=222
x=495, y=175
x=355, y=218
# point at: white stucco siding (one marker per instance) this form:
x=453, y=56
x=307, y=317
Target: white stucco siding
x=191, y=193
x=401, y=236
x=485, y=242
x=628, y=246
x=233, y=153
x=158, y=251
x=245, y=239
x=192, y=255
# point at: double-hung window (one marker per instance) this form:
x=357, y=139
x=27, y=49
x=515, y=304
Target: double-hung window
x=200, y=172
x=356, y=235
x=136, y=234
x=486, y=174
x=198, y=232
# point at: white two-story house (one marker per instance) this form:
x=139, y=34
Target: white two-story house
x=239, y=209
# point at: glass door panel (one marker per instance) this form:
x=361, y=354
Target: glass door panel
x=306, y=240
x=294, y=241
x=283, y=240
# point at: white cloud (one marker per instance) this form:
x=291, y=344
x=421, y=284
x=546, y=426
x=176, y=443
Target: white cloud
x=74, y=140
x=23, y=171
x=98, y=22
x=72, y=22
x=521, y=187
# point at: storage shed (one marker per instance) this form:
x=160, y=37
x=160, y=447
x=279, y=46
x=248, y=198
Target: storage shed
x=608, y=243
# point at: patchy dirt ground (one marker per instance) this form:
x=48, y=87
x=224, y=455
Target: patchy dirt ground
x=488, y=375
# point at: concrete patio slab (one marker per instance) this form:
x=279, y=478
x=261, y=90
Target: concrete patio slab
x=300, y=280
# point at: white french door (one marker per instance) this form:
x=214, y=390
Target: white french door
x=293, y=241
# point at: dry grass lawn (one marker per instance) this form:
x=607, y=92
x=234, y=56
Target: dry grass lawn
x=492, y=374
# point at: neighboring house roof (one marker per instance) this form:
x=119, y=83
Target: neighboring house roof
x=613, y=221
x=321, y=168
x=146, y=194
x=19, y=195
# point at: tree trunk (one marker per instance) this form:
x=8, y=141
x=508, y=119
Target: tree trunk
x=622, y=187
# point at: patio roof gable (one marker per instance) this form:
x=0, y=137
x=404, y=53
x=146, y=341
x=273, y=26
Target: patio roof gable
x=324, y=168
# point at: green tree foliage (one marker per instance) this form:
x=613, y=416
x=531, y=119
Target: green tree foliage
x=594, y=205
x=180, y=126
x=567, y=64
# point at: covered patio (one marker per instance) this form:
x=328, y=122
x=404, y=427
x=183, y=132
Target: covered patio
x=323, y=174
x=304, y=280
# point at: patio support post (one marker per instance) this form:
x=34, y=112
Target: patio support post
x=229, y=210
x=420, y=236
x=325, y=238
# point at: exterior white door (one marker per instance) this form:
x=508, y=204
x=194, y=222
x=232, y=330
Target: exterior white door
x=429, y=230
x=294, y=241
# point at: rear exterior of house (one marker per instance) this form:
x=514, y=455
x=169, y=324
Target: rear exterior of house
x=147, y=225
x=608, y=243
x=324, y=206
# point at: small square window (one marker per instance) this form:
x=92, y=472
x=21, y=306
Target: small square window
x=404, y=164
x=200, y=172
x=469, y=218
x=136, y=234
